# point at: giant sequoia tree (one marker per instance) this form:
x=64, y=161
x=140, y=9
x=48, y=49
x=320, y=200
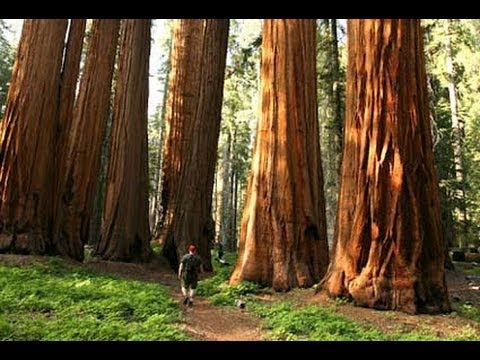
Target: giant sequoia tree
x=68, y=80
x=125, y=229
x=77, y=187
x=27, y=139
x=283, y=241
x=182, y=99
x=388, y=250
x=193, y=125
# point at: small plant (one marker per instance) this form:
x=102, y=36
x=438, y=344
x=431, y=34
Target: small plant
x=472, y=270
x=468, y=311
x=156, y=247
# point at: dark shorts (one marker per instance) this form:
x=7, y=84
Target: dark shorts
x=189, y=281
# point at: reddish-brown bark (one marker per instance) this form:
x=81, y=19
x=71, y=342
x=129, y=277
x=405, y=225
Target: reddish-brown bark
x=283, y=241
x=388, y=251
x=27, y=139
x=125, y=232
x=69, y=80
x=193, y=125
x=83, y=154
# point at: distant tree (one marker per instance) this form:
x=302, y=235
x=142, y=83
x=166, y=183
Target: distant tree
x=442, y=138
x=388, y=251
x=83, y=154
x=283, y=241
x=453, y=53
x=238, y=116
x=468, y=78
x=7, y=57
x=458, y=133
x=27, y=139
x=156, y=141
x=331, y=98
x=125, y=231
x=191, y=139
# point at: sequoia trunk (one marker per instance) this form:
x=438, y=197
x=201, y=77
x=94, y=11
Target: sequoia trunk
x=283, y=240
x=193, y=126
x=125, y=229
x=388, y=250
x=83, y=154
x=27, y=139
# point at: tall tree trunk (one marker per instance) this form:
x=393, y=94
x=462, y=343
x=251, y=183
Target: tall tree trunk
x=95, y=225
x=157, y=206
x=69, y=80
x=332, y=121
x=27, y=139
x=233, y=237
x=457, y=127
x=283, y=241
x=337, y=94
x=388, y=251
x=89, y=121
x=444, y=196
x=125, y=231
x=225, y=195
x=193, y=127
x=155, y=181
x=158, y=187
x=182, y=101
x=232, y=243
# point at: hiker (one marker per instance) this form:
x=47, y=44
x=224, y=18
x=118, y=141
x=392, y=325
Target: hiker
x=190, y=266
x=219, y=257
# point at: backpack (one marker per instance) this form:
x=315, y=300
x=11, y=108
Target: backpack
x=189, y=264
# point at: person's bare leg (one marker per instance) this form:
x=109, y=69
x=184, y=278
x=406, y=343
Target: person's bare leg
x=185, y=295
x=190, y=296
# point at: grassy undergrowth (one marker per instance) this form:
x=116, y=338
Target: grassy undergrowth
x=216, y=288
x=57, y=301
x=472, y=270
x=287, y=321
x=468, y=311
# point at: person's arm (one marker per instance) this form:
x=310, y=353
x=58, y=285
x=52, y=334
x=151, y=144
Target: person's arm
x=180, y=269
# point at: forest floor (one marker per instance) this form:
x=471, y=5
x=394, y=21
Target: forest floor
x=204, y=321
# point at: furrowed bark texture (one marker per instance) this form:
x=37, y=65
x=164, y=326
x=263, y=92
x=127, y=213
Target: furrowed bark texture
x=125, y=229
x=388, y=251
x=89, y=120
x=193, y=126
x=27, y=139
x=283, y=240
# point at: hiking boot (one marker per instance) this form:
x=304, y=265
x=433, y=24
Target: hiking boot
x=185, y=301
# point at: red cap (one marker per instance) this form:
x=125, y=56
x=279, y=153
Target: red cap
x=192, y=248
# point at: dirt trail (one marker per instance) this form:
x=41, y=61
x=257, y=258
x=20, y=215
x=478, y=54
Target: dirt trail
x=206, y=322
x=202, y=321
